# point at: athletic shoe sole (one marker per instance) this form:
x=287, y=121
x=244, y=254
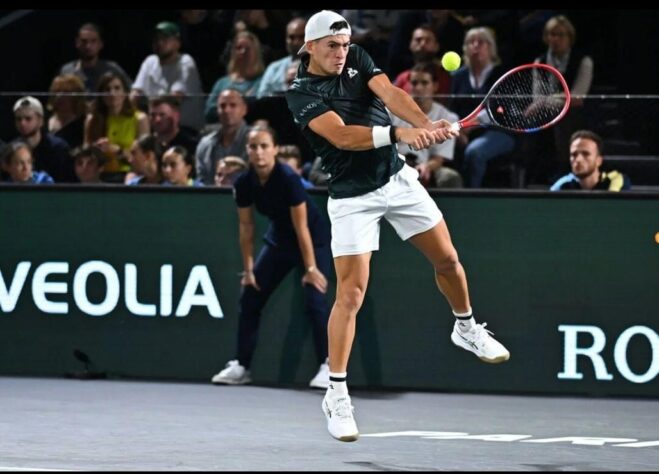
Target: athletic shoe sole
x=463, y=345
x=346, y=438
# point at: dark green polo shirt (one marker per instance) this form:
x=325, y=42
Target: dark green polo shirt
x=352, y=173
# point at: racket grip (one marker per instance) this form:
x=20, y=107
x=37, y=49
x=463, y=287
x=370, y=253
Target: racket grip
x=456, y=126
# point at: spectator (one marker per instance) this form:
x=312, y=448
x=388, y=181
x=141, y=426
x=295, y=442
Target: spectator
x=144, y=157
x=267, y=25
x=17, y=163
x=585, y=161
x=244, y=71
x=113, y=125
x=89, y=68
x=204, y=33
x=371, y=29
x=177, y=168
x=69, y=108
x=550, y=146
x=448, y=30
x=424, y=47
x=480, y=71
x=298, y=236
x=89, y=164
x=279, y=74
x=228, y=169
x=429, y=161
x=165, y=119
x=50, y=153
x=290, y=155
x=317, y=175
x=229, y=139
x=170, y=72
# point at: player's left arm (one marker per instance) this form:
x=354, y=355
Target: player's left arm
x=401, y=104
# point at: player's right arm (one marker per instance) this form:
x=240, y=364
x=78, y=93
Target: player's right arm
x=246, y=241
x=331, y=127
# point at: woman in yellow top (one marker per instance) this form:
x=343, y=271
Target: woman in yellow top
x=114, y=124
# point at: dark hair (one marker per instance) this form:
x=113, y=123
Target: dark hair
x=590, y=136
x=188, y=158
x=91, y=151
x=92, y=27
x=427, y=67
x=171, y=100
x=149, y=143
x=99, y=109
x=290, y=151
x=268, y=130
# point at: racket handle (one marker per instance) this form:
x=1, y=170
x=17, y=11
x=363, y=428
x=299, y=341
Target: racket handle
x=456, y=126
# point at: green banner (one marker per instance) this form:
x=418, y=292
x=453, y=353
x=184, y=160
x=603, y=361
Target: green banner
x=144, y=281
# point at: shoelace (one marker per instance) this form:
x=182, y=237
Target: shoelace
x=481, y=334
x=343, y=408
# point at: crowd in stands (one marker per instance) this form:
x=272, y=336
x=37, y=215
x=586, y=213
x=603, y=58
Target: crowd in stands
x=213, y=75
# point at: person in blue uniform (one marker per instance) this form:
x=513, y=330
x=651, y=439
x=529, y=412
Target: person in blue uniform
x=298, y=236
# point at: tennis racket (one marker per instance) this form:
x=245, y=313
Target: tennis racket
x=526, y=99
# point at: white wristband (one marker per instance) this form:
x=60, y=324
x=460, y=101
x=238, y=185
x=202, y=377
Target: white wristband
x=381, y=136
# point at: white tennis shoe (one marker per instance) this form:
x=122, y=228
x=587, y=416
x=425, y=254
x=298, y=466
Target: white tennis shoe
x=321, y=379
x=340, y=419
x=232, y=374
x=479, y=341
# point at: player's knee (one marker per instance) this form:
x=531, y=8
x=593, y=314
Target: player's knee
x=449, y=264
x=351, y=300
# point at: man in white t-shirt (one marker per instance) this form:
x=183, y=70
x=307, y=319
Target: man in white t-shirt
x=429, y=162
x=170, y=72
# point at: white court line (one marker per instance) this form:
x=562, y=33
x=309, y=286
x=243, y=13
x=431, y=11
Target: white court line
x=11, y=468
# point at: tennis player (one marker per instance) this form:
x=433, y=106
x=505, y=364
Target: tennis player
x=339, y=99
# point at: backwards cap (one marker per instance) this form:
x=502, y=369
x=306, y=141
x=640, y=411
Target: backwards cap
x=324, y=23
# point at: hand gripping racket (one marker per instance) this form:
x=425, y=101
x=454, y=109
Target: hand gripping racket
x=526, y=99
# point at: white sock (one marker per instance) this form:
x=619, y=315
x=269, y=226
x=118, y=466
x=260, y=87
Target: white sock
x=465, y=320
x=338, y=387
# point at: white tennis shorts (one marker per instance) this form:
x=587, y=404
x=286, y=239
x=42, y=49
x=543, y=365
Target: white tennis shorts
x=403, y=201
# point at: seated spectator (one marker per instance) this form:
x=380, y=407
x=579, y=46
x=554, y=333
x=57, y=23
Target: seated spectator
x=244, y=72
x=113, y=125
x=69, y=107
x=204, y=33
x=170, y=72
x=371, y=29
x=280, y=74
x=585, y=161
x=550, y=147
x=165, y=118
x=144, y=157
x=50, y=153
x=290, y=155
x=17, y=164
x=267, y=25
x=89, y=68
x=228, y=169
x=177, y=168
x=481, y=69
x=89, y=164
x=229, y=139
x=429, y=161
x=424, y=47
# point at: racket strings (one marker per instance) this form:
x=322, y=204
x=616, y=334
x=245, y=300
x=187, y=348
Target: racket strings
x=526, y=100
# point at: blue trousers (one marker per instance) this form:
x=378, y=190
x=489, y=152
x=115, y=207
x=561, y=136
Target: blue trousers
x=480, y=150
x=271, y=267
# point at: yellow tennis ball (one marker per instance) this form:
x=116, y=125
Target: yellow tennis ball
x=451, y=61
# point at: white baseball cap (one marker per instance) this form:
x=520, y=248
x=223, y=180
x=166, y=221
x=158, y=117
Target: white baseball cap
x=29, y=102
x=323, y=24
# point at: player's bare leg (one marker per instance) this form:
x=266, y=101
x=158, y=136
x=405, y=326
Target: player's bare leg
x=451, y=280
x=352, y=273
